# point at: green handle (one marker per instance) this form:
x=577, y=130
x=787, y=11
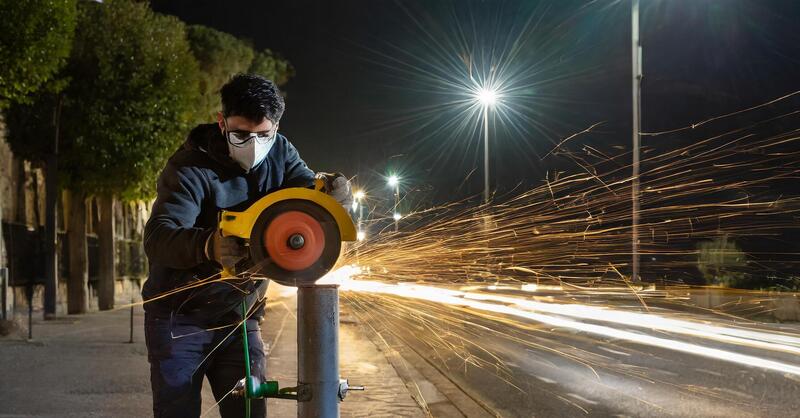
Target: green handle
x=248, y=384
x=252, y=388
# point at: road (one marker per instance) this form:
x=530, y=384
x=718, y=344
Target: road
x=520, y=367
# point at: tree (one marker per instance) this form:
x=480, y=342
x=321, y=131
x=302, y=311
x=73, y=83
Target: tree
x=271, y=66
x=221, y=56
x=35, y=41
x=130, y=100
x=722, y=262
x=122, y=105
x=33, y=135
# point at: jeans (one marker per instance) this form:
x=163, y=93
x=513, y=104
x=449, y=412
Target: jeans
x=182, y=351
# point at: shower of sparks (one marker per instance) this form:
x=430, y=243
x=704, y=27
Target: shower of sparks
x=546, y=270
x=574, y=228
x=458, y=279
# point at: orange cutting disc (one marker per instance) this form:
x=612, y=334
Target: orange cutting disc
x=282, y=229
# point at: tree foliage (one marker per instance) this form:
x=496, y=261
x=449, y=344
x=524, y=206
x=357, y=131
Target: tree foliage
x=30, y=126
x=133, y=83
x=220, y=56
x=271, y=66
x=722, y=262
x=131, y=97
x=35, y=41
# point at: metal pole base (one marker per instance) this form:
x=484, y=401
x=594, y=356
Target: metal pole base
x=318, y=351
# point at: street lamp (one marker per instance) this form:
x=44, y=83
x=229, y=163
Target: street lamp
x=394, y=182
x=636, y=65
x=487, y=98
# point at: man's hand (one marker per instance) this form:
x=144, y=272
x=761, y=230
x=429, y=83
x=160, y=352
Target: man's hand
x=225, y=251
x=338, y=187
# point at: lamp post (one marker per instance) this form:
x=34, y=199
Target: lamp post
x=636, y=65
x=487, y=98
x=394, y=182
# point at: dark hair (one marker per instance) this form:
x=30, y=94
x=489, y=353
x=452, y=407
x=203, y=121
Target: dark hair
x=253, y=97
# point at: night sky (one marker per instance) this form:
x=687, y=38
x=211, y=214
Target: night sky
x=367, y=68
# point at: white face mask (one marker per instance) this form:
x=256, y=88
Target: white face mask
x=252, y=152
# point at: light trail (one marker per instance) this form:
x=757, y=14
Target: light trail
x=535, y=311
x=655, y=322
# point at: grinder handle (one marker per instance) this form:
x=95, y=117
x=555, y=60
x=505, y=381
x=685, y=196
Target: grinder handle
x=226, y=271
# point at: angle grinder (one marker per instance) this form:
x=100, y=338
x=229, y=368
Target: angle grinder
x=295, y=234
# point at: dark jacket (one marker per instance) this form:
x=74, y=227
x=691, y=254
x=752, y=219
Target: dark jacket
x=198, y=181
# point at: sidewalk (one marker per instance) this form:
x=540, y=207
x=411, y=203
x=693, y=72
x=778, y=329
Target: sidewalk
x=361, y=363
x=82, y=366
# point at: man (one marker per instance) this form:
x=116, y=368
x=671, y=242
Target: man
x=227, y=165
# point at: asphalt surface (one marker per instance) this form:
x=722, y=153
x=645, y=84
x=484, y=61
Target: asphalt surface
x=522, y=368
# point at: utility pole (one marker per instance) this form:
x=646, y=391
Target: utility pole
x=636, y=63
x=486, y=154
x=394, y=182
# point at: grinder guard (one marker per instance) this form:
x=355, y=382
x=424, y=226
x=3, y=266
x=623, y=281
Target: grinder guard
x=295, y=234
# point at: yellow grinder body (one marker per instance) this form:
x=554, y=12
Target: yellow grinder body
x=295, y=235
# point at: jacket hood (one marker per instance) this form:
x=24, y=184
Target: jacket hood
x=208, y=139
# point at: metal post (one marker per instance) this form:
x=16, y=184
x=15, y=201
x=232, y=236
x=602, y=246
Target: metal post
x=29, y=291
x=4, y=291
x=636, y=62
x=486, y=153
x=396, y=204
x=318, y=351
x=130, y=340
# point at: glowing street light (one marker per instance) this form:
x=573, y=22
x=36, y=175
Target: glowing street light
x=361, y=235
x=487, y=98
x=397, y=217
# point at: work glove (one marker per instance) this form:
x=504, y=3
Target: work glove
x=338, y=187
x=225, y=251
